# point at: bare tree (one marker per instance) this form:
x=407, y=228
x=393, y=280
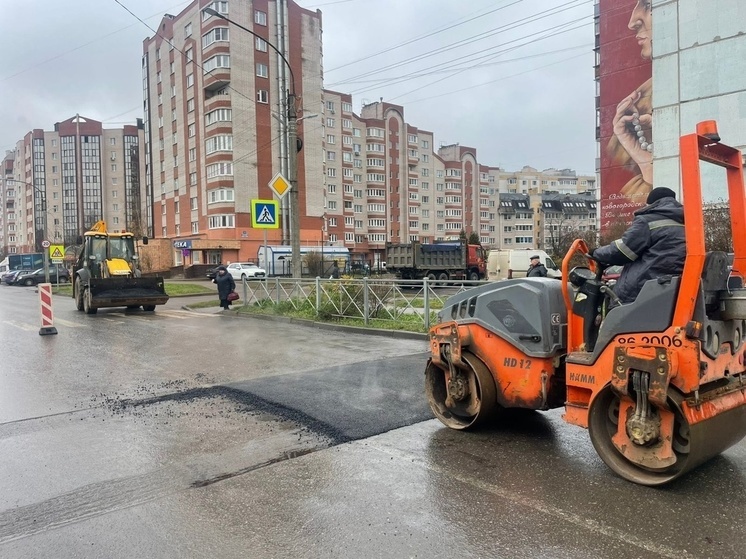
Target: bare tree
x=718, y=234
x=613, y=231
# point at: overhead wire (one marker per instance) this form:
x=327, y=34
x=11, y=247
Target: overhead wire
x=552, y=32
x=28, y=68
x=460, y=43
x=469, y=68
x=420, y=37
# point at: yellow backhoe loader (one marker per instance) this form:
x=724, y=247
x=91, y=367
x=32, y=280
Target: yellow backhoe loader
x=107, y=274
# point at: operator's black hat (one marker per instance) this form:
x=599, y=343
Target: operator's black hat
x=659, y=193
x=536, y=256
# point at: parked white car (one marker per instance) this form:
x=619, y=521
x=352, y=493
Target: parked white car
x=246, y=270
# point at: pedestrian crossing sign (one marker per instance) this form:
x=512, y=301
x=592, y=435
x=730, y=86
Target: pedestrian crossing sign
x=264, y=214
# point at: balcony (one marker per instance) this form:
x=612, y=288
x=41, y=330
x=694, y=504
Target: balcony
x=217, y=79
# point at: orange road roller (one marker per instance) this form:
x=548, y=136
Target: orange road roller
x=660, y=383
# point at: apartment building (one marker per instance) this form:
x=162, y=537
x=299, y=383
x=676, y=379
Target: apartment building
x=386, y=182
x=56, y=184
x=215, y=107
x=540, y=219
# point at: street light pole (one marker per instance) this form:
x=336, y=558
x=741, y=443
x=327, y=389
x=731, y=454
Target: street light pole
x=292, y=143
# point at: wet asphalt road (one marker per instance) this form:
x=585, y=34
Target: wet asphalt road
x=178, y=434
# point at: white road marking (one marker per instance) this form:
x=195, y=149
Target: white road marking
x=22, y=325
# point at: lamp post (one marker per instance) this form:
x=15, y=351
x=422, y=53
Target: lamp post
x=293, y=149
x=43, y=196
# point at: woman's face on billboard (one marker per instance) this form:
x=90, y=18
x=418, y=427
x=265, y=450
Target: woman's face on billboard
x=641, y=23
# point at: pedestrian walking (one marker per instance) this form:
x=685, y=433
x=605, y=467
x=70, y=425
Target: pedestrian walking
x=226, y=285
x=536, y=269
x=335, y=271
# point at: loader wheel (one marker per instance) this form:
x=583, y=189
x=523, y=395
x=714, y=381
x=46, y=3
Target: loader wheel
x=78, y=294
x=466, y=400
x=148, y=308
x=603, y=425
x=87, y=303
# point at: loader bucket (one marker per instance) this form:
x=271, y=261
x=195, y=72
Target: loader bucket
x=123, y=292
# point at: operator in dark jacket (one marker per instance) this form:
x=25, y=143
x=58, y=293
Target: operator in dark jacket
x=226, y=284
x=654, y=245
x=536, y=269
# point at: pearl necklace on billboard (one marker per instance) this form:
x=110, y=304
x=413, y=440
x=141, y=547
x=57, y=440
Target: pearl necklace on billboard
x=640, y=133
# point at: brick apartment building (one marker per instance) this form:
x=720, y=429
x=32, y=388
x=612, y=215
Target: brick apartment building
x=56, y=184
x=215, y=107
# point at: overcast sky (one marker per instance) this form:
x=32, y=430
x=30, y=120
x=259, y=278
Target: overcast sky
x=491, y=76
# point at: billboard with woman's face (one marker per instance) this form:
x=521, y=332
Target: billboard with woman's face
x=625, y=91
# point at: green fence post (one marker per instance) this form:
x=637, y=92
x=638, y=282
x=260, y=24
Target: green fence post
x=318, y=295
x=366, y=300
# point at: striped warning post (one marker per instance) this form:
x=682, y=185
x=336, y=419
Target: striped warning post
x=45, y=304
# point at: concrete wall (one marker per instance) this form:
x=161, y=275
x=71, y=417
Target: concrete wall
x=699, y=73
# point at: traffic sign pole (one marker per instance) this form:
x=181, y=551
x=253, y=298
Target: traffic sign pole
x=46, y=266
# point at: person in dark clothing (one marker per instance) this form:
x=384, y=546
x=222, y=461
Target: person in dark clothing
x=536, y=269
x=654, y=245
x=335, y=271
x=225, y=285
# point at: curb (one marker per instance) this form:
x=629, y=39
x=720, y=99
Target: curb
x=401, y=334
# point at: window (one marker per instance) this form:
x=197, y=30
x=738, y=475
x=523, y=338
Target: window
x=330, y=139
x=219, y=143
x=262, y=96
x=331, y=155
x=346, y=107
x=192, y=154
x=331, y=188
x=192, y=130
x=221, y=221
x=217, y=61
x=261, y=44
x=195, y=229
x=330, y=122
x=220, y=195
x=260, y=18
x=331, y=172
x=262, y=70
x=173, y=91
x=221, y=7
x=190, y=105
x=189, y=54
x=190, y=80
x=332, y=205
x=214, y=35
x=218, y=115
x=220, y=169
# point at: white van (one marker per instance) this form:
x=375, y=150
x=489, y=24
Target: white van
x=514, y=263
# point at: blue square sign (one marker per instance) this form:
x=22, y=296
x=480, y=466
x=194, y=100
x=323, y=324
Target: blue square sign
x=264, y=214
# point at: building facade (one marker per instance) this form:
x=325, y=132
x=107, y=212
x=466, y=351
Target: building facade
x=386, y=181
x=57, y=184
x=215, y=125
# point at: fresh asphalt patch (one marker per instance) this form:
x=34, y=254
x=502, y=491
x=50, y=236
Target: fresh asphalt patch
x=345, y=402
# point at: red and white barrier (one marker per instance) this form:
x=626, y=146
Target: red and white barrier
x=47, y=314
